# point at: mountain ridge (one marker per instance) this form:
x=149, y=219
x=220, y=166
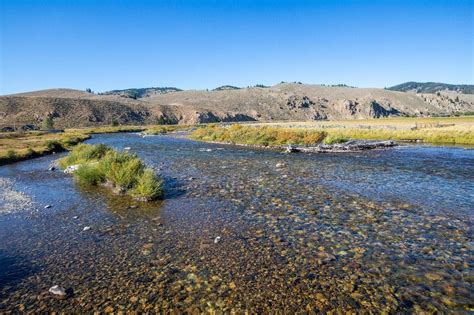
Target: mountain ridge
x=284, y=101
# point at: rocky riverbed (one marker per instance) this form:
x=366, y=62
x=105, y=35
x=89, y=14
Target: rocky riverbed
x=245, y=229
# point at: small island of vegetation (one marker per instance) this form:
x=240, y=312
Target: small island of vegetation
x=124, y=172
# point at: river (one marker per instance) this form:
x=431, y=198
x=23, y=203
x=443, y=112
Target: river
x=244, y=229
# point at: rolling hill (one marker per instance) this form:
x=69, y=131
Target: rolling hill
x=432, y=87
x=285, y=101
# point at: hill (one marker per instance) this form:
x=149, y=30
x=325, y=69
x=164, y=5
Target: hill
x=136, y=93
x=281, y=102
x=432, y=87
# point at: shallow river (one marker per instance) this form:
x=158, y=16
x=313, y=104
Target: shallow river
x=378, y=231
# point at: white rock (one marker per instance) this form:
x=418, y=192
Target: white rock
x=71, y=169
x=280, y=165
x=57, y=290
x=75, y=217
x=47, y=206
x=127, y=148
x=217, y=239
x=86, y=228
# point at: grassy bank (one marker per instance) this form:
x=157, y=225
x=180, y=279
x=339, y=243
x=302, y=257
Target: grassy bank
x=447, y=135
x=122, y=171
x=164, y=129
x=276, y=136
x=16, y=146
x=19, y=146
x=265, y=136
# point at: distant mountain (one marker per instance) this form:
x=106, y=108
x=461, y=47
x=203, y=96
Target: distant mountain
x=432, y=87
x=137, y=93
x=226, y=88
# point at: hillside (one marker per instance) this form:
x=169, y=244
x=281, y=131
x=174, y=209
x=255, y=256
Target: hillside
x=432, y=87
x=286, y=101
x=136, y=93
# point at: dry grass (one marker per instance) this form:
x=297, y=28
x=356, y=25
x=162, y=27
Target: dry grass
x=380, y=123
x=449, y=130
x=446, y=135
x=266, y=136
x=17, y=146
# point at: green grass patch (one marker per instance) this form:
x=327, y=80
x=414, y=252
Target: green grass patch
x=123, y=171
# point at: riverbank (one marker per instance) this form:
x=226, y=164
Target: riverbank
x=278, y=135
x=20, y=146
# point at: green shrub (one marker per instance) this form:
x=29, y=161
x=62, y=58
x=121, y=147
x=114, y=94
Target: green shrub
x=11, y=155
x=54, y=145
x=83, y=153
x=124, y=171
x=148, y=186
x=124, y=174
x=333, y=139
x=48, y=123
x=89, y=173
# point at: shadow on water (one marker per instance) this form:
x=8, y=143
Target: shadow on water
x=13, y=269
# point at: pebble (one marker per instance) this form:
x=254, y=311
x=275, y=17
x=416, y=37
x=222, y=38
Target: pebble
x=57, y=290
x=86, y=228
x=217, y=239
x=47, y=206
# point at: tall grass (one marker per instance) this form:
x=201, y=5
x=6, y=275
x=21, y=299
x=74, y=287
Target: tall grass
x=275, y=136
x=83, y=153
x=125, y=172
x=266, y=136
x=447, y=135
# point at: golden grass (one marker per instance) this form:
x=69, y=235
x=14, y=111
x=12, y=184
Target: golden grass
x=445, y=135
x=163, y=129
x=389, y=123
x=450, y=130
x=265, y=136
x=17, y=146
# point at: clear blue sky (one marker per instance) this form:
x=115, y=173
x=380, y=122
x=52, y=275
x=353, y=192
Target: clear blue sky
x=106, y=45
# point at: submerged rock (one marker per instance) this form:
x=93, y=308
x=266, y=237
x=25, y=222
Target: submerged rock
x=57, y=290
x=217, y=239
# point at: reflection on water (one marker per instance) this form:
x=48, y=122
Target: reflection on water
x=378, y=231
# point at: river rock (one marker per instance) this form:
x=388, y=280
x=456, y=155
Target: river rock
x=71, y=169
x=291, y=149
x=349, y=146
x=57, y=290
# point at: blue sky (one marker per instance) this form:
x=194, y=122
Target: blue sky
x=106, y=45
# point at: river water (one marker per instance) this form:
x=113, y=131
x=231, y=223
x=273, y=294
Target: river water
x=374, y=231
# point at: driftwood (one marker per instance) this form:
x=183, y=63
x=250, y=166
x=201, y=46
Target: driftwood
x=349, y=146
